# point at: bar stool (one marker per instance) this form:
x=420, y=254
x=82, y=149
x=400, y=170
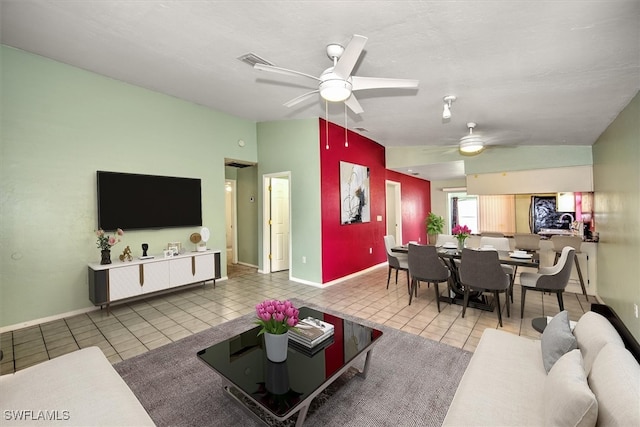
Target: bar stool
x=575, y=242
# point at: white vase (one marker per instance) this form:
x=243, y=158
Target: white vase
x=276, y=346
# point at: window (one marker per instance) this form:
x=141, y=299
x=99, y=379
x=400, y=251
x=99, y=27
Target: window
x=483, y=213
x=463, y=210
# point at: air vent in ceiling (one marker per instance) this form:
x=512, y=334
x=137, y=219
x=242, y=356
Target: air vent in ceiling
x=238, y=165
x=361, y=129
x=253, y=59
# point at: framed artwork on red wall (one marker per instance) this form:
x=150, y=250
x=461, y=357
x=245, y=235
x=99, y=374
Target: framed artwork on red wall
x=355, y=205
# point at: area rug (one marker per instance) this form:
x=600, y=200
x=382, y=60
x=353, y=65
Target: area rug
x=411, y=382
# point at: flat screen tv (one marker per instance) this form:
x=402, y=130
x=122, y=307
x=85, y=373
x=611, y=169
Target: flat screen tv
x=133, y=201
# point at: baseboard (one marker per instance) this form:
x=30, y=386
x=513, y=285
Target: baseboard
x=340, y=280
x=47, y=319
x=246, y=264
x=55, y=317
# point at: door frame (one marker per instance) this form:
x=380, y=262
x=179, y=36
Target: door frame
x=397, y=190
x=234, y=220
x=266, y=214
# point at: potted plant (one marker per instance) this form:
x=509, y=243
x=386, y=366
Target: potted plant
x=435, y=225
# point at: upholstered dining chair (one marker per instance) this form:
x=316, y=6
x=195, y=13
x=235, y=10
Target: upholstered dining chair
x=426, y=266
x=397, y=261
x=481, y=270
x=501, y=244
x=527, y=242
x=559, y=242
x=549, y=279
x=491, y=234
x=446, y=238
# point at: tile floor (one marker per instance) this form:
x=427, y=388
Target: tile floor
x=143, y=325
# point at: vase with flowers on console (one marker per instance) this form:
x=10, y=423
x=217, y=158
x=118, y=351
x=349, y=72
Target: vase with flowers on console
x=105, y=242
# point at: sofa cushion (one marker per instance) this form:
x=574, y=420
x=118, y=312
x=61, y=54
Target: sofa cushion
x=568, y=401
x=615, y=380
x=593, y=331
x=502, y=386
x=78, y=389
x=557, y=339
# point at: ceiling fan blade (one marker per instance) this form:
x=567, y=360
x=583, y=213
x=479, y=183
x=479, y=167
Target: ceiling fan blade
x=300, y=98
x=362, y=83
x=353, y=104
x=284, y=71
x=350, y=56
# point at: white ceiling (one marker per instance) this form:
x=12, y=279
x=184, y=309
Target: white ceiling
x=528, y=72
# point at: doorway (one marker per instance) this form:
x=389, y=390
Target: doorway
x=394, y=211
x=277, y=214
x=231, y=217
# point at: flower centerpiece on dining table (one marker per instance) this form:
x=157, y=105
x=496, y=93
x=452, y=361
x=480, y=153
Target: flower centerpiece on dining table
x=105, y=242
x=276, y=318
x=461, y=232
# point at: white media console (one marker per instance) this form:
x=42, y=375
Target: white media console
x=128, y=279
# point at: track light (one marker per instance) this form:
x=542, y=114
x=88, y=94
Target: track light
x=446, y=113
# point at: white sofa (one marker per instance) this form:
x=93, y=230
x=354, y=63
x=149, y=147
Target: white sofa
x=506, y=383
x=77, y=389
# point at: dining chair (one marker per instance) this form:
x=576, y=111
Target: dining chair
x=549, y=279
x=501, y=244
x=446, y=238
x=559, y=242
x=491, y=234
x=397, y=261
x=481, y=270
x=426, y=266
x=527, y=242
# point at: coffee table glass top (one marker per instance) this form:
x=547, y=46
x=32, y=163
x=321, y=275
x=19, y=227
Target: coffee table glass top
x=279, y=387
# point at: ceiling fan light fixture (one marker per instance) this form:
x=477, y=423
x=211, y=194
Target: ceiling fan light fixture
x=471, y=145
x=335, y=90
x=446, y=113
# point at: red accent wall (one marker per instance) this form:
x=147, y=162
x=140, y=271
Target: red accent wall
x=416, y=205
x=345, y=248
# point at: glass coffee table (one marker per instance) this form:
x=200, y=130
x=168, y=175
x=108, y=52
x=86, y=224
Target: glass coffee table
x=286, y=388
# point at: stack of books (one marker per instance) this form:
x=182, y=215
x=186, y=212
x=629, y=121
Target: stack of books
x=311, y=332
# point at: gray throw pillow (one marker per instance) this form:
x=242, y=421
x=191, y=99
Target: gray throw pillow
x=557, y=339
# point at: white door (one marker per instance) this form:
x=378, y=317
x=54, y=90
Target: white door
x=394, y=212
x=279, y=224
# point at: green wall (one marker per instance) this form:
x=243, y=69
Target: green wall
x=247, y=189
x=59, y=125
x=299, y=139
x=247, y=212
x=616, y=173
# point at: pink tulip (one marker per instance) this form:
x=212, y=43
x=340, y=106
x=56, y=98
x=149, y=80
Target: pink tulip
x=278, y=317
x=292, y=321
x=264, y=316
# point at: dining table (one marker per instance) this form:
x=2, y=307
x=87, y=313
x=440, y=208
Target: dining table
x=456, y=288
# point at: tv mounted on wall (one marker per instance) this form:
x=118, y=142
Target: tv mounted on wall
x=133, y=201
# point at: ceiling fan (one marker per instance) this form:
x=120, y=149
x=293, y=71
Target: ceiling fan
x=474, y=143
x=336, y=84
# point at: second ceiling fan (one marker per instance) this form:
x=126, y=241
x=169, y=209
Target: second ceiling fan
x=336, y=84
